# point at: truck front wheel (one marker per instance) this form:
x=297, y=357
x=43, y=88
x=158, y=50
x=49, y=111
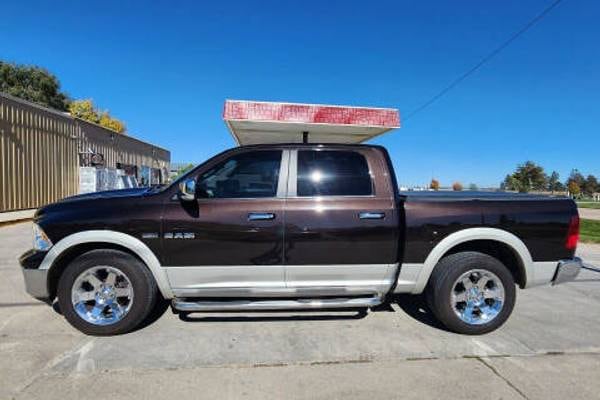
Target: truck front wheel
x=106, y=292
x=471, y=293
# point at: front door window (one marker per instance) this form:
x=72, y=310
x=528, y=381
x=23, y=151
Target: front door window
x=247, y=175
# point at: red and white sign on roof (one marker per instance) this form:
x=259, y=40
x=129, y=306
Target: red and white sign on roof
x=255, y=122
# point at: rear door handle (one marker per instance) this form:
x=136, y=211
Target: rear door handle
x=260, y=216
x=371, y=215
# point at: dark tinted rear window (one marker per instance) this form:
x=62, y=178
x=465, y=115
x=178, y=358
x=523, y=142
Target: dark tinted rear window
x=333, y=173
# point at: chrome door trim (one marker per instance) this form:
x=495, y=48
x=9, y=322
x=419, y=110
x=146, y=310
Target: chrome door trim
x=282, y=184
x=371, y=215
x=261, y=216
x=293, y=174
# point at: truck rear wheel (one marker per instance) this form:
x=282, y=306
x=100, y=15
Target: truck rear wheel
x=471, y=293
x=106, y=292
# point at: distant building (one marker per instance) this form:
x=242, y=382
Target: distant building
x=44, y=154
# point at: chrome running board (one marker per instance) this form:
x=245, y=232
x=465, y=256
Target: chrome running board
x=190, y=305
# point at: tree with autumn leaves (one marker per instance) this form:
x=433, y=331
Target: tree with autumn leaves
x=530, y=176
x=457, y=186
x=86, y=110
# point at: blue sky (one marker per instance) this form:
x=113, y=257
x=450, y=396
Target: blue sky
x=165, y=68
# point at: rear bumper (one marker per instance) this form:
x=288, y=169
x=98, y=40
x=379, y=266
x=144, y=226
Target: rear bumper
x=567, y=270
x=36, y=280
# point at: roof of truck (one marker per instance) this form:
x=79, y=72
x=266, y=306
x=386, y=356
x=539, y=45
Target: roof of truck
x=310, y=145
x=259, y=122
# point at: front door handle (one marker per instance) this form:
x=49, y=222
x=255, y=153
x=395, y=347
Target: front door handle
x=371, y=215
x=260, y=216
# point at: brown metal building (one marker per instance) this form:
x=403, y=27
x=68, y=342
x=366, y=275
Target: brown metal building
x=42, y=149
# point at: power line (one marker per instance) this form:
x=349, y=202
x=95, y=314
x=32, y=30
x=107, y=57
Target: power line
x=484, y=60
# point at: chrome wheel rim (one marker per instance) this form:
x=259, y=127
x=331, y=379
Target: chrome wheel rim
x=477, y=296
x=102, y=295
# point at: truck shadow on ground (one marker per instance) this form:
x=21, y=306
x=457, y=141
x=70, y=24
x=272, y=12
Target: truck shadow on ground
x=415, y=306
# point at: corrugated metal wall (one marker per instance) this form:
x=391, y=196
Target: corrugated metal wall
x=39, y=153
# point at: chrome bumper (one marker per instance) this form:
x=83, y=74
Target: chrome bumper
x=567, y=270
x=35, y=283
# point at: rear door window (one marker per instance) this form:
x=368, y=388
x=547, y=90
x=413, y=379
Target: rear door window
x=333, y=173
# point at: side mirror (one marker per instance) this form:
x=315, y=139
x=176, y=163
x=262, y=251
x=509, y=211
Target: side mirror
x=187, y=190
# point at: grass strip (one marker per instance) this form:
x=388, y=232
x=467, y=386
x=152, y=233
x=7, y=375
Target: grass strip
x=589, y=231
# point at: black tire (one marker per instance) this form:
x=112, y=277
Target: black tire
x=160, y=307
x=447, y=272
x=143, y=284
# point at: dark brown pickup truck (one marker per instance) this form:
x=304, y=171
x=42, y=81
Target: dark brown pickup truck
x=298, y=226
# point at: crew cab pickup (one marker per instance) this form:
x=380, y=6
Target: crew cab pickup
x=296, y=226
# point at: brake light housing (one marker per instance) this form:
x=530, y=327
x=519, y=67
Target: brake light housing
x=573, y=233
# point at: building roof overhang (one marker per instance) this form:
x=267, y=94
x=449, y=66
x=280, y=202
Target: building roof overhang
x=257, y=122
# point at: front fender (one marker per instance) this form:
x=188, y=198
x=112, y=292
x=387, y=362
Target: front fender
x=113, y=237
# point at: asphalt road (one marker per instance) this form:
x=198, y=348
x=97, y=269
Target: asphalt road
x=549, y=349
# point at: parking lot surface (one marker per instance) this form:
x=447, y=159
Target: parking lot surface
x=589, y=213
x=549, y=349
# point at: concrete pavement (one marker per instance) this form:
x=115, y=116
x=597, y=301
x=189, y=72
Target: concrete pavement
x=589, y=213
x=10, y=217
x=549, y=348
